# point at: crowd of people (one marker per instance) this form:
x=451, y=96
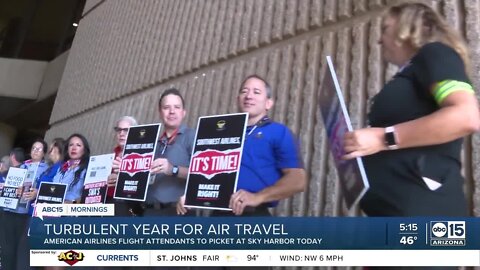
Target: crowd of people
x=416, y=125
x=262, y=181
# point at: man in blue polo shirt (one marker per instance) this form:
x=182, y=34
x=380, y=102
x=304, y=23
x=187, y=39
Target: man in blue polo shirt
x=271, y=168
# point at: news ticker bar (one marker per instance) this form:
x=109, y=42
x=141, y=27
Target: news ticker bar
x=255, y=258
x=182, y=233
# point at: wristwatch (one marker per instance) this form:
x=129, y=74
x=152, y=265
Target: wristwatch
x=175, y=170
x=390, y=140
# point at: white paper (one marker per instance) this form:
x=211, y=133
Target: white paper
x=431, y=184
x=99, y=168
x=14, y=180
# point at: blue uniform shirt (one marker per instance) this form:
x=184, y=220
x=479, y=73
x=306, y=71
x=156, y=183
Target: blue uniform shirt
x=74, y=192
x=46, y=176
x=267, y=149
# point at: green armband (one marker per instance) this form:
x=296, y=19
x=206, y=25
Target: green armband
x=445, y=88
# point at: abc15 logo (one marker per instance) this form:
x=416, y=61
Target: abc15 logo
x=448, y=229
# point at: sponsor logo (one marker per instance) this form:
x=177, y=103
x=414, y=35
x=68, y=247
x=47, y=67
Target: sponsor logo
x=71, y=257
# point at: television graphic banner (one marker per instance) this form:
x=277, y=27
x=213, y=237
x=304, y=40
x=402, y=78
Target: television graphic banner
x=138, y=154
x=209, y=241
x=95, y=185
x=351, y=173
x=215, y=162
x=10, y=195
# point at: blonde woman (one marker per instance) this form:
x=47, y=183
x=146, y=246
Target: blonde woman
x=412, y=148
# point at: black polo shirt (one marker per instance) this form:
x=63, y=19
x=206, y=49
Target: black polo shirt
x=396, y=177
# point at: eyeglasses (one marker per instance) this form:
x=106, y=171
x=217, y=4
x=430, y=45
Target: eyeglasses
x=37, y=149
x=119, y=130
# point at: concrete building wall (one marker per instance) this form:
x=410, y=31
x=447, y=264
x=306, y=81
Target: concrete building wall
x=21, y=78
x=53, y=76
x=126, y=53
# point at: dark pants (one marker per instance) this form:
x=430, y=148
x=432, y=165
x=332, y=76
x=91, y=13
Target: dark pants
x=160, y=209
x=23, y=253
x=13, y=229
x=126, y=208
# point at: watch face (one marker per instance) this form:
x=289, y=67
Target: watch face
x=390, y=138
x=175, y=170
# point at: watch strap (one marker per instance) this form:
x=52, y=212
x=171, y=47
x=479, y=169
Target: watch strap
x=175, y=170
x=390, y=139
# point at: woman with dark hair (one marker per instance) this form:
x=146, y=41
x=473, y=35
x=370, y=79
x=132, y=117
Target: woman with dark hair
x=56, y=151
x=73, y=170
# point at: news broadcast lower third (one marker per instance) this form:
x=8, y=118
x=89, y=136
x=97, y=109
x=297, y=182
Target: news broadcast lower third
x=78, y=239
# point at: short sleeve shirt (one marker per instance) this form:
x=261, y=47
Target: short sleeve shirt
x=407, y=95
x=167, y=188
x=74, y=192
x=267, y=150
x=396, y=176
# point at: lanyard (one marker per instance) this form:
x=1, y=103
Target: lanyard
x=262, y=122
x=165, y=140
x=171, y=139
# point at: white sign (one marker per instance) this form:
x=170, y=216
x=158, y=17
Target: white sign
x=351, y=173
x=99, y=168
x=9, y=197
x=95, y=186
x=28, y=183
